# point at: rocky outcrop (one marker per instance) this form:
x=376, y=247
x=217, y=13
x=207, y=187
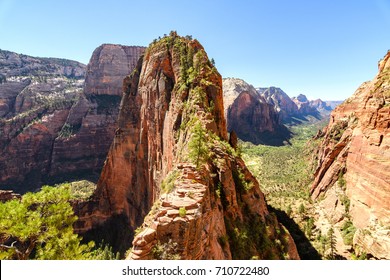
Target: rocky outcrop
x=51, y=128
x=353, y=160
x=8, y=195
x=171, y=173
x=250, y=116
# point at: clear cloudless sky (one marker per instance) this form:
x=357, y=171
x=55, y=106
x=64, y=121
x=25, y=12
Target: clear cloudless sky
x=321, y=48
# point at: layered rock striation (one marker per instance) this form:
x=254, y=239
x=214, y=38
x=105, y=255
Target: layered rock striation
x=353, y=162
x=108, y=66
x=53, y=127
x=171, y=173
x=36, y=96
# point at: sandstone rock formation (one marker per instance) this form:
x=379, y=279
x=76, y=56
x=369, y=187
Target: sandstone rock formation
x=51, y=129
x=92, y=120
x=250, y=116
x=14, y=65
x=353, y=162
x=171, y=172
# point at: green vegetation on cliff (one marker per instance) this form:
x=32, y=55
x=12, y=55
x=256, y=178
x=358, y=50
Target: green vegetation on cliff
x=39, y=226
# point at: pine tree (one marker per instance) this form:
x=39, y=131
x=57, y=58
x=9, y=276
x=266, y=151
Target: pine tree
x=40, y=226
x=332, y=243
x=198, y=147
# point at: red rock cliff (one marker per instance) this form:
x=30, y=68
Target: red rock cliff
x=354, y=160
x=171, y=172
x=93, y=119
x=51, y=130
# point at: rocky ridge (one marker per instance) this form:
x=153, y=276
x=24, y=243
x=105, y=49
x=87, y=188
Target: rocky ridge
x=353, y=171
x=171, y=172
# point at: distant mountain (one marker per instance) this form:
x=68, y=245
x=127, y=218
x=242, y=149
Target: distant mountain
x=258, y=115
x=250, y=115
x=281, y=102
x=20, y=65
x=296, y=107
x=316, y=108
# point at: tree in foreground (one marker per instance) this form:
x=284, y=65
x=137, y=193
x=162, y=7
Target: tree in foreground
x=40, y=226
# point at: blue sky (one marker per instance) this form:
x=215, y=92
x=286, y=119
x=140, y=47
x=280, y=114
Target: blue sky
x=324, y=49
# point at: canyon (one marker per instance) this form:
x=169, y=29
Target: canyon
x=161, y=133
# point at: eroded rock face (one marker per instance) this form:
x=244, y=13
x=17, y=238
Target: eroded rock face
x=188, y=203
x=108, y=66
x=250, y=116
x=51, y=129
x=354, y=156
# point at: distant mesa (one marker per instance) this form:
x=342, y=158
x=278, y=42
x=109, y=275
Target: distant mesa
x=108, y=66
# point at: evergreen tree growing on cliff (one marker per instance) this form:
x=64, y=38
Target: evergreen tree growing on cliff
x=198, y=150
x=40, y=226
x=332, y=243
